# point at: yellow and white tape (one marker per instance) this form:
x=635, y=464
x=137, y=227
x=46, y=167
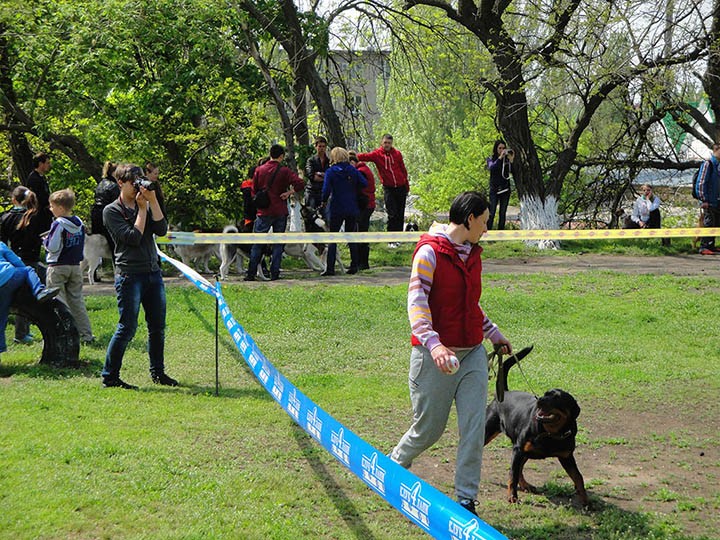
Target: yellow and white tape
x=189, y=238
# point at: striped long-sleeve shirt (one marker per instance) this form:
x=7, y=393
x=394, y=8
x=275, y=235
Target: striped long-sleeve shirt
x=421, y=280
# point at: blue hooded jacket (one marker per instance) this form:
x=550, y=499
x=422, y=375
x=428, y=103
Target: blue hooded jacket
x=8, y=262
x=708, y=183
x=341, y=187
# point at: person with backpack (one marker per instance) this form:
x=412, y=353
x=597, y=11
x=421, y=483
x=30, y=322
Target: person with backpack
x=706, y=188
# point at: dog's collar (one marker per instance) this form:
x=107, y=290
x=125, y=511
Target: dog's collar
x=558, y=437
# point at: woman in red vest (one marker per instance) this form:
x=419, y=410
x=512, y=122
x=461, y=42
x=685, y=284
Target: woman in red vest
x=448, y=361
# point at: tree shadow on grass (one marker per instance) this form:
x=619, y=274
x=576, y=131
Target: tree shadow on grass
x=90, y=369
x=209, y=326
x=342, y=502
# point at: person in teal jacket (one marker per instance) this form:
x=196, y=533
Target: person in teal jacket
x=13, y=275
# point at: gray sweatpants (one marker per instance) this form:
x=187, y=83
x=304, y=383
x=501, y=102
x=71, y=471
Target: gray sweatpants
x=432, y=393
x=68, y=278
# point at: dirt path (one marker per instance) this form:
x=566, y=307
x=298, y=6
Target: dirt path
x=679, y=265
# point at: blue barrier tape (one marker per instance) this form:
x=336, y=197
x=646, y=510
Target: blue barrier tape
x=424, y=505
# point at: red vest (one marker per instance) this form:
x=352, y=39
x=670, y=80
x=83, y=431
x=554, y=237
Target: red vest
x=455, y=294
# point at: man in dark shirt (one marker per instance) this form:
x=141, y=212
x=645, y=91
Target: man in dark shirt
x=283, y=182
x=315, y=173
x=131, y=221
x=38, y=184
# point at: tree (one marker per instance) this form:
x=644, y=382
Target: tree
x=564, y=41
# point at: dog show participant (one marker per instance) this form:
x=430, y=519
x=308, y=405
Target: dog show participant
x=448, y=361
x=280, y=182
x=365, y=213
x=315, y=168
x=340, y=188
x=38, y=184
x=132, y=220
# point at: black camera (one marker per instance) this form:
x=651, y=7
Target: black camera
x=141, y=181
x=510, y=151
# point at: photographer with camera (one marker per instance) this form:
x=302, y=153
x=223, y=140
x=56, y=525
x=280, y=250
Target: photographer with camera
x=132, y=220
x=500, y=167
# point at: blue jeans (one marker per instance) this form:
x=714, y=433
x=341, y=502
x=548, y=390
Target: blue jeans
x=262, y=225
x=133, y=290
x=21, y=275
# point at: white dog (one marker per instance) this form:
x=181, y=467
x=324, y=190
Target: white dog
x=96, y=249
x=236, y=253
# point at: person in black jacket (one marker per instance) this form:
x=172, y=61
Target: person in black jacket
x=315, y=168
x=500, y=167
x=38, y=184
x=20, y=230
x=107, y=191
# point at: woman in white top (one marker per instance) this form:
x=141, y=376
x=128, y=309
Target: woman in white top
x=646, y=210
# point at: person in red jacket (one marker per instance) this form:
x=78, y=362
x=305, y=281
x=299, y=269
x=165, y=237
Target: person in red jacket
x=394, y=177
x=448, y=360
x=363, y=224
x=282, y=183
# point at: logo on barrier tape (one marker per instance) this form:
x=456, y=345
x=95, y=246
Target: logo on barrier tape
x=314, y=424
x=372, y=473
x=464, y=531
x=414, y=505
x=263, y=375
x=339, y=446
x=243, y=344
x=293, y=406
x=253, y=359
x=278, y=388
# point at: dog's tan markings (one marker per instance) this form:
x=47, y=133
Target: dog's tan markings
x=528, y=448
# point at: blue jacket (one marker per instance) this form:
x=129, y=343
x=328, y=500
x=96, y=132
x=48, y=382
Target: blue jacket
x=708, y=185
x=341, y=187
x=8, y=261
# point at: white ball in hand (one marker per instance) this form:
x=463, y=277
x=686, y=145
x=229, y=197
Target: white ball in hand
x=453, y=364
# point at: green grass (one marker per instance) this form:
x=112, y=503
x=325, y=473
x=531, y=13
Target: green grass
x=80, y=461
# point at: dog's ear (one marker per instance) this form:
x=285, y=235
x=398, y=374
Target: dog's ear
x=574, y=408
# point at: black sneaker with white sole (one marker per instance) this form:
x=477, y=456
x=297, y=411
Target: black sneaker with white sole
x=118, y=383
x=164, y=380
x=469, y=505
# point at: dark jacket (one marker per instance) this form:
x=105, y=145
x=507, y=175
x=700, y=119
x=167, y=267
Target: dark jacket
x=107, y=191
x=708, y=183
x=312, y=166
x=283, y=180
x=135, y=252
x=390, y=166
x=500, y=170
x=38, y=184
x=24, y=242
x=340, y=187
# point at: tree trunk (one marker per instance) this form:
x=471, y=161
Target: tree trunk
x=536, y=213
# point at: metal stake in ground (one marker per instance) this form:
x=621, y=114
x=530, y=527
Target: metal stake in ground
x=217, y=319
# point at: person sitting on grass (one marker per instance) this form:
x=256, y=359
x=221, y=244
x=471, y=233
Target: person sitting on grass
x=13, y=275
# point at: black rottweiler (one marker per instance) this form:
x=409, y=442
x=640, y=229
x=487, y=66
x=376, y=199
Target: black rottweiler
x=538, y=428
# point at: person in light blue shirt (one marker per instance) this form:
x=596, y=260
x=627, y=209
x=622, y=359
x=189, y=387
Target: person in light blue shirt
x=13, y=275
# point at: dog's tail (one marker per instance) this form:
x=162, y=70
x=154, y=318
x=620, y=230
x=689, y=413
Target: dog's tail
x=510, y=362
x=230, y=229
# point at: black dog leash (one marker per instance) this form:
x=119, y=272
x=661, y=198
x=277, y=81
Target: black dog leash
x=500, y=379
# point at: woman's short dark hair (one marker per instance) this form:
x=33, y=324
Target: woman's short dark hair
x=495, y=153
x=276, y=150
x=39, y=158
x=466, y=204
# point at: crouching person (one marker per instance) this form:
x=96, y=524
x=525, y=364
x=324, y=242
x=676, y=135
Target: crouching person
x=131, y=221
x=13, y=275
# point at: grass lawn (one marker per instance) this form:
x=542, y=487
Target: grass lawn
x=638, y=352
